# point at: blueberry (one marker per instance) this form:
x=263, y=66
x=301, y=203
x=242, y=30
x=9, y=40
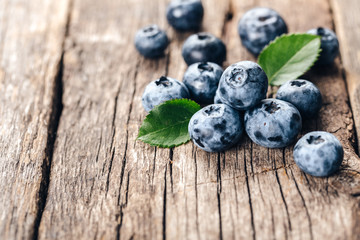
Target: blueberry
x=258, y=27
x=216, y=128
x=203, y=47
x=242, y=85
x=185, y=15
x=161, y=90
x=304, y=95
x=273, y=123
x=329, y=45
x=151, y=41
x=202, y=80
x=319, y=154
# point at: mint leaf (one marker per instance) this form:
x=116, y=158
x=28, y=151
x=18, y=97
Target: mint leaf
x=289, y=56
x=166, y=125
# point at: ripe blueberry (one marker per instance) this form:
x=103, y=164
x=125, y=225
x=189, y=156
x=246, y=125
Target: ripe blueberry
x=242, y=85
x=304, y=95
x=273, y=123
x=151, y=41
x=161, y=90
x=258, y=27
x=216, y=128
x=203, y=47
x=202, y=80
x=329, y=45
x=319, y=154
x=185, y=15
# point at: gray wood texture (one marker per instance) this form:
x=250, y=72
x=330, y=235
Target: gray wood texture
x=347, y=24
x=31, y=39
x=70, y=89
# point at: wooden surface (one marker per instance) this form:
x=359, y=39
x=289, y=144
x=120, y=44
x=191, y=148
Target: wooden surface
x=70, y=106
x=31, y=39
x=347, y=24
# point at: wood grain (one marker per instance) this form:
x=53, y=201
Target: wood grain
x=103, y=184
x=106, y=185
x=259, y=192
x=31, y=38
x=347, y=26
x=96, y=159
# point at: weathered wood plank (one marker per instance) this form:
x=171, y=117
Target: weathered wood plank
x=97, y=161
x=347, y=25
x=259, y=192
x=31, y=39
x=104, y=184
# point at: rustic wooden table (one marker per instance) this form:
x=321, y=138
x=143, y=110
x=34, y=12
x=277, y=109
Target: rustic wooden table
x=70, y=109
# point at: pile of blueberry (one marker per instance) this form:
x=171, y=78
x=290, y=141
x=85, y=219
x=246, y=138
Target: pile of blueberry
x=237, y=96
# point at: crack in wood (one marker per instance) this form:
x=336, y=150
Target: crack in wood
x=121, y=214
x=251, y=159
x=235, y=187
x=249, y=197
x=55, y=115
x=171, y=155
x=111, y=163
x=164, y=207
x=113, y=127
x=304, y=204
x=284, y=161
x=54, y=121
x=282, y=195
x=98, y=150
x=196, y=193
x=219, y=188
x=154, y=167
x=307, y=181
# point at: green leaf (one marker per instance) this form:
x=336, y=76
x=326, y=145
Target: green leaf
x=167, y=124
x=289, y=56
